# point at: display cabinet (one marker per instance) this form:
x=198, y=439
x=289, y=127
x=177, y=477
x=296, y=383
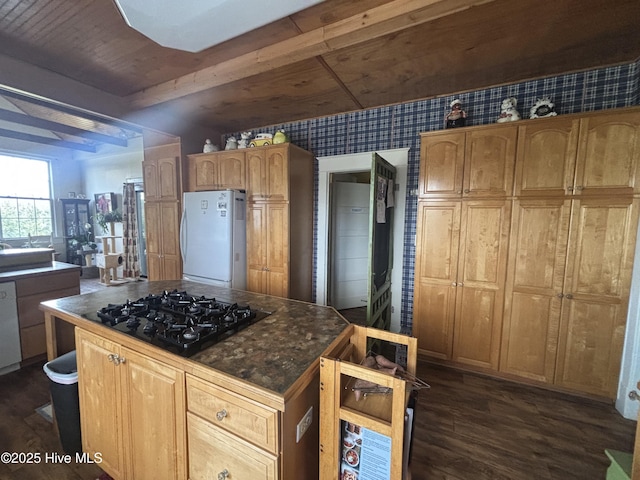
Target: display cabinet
x=75, y=215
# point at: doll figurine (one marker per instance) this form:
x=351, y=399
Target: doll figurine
x=508, y=112
x=457, y=117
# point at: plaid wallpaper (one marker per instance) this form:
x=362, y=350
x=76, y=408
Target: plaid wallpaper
x=398, y=126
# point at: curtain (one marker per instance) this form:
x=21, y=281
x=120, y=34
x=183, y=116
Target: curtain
x=130, y=232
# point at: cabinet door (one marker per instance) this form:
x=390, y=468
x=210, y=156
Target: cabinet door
x=268, y=248
x=277, y=174
x=161, y=179
x=268, y=174
x=203, y=173
x=533, y=292
x=154, y=423
x=489, y=162
x=441, y=165
x=100, y=401
x=277, y=241
x=231, y=170
x=438, y=236
x=484, y=241
x=214, y=453
x=596, y=294
x=163, y=247
x=546, y=157
x=256, y=175
x=609, y=155
x=256, y=247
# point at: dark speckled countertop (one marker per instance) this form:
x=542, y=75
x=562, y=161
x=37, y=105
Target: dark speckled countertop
x=272, y=353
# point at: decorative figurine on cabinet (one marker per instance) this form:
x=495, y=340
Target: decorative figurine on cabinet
x=244, y=140
x=508, y=111
x=209, y=147
x=231, y=144
x=543, y=107
x=280, y=137
x=457, y=117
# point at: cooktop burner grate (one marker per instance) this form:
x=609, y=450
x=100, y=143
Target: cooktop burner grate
x=178, y=321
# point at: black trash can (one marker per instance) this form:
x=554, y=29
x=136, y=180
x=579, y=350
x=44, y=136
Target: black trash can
x=63, y=376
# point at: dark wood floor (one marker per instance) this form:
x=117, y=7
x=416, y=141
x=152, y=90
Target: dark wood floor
x=467, y=427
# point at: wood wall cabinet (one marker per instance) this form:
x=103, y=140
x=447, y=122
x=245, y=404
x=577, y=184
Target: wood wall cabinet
x=132, y=410
x=280, y=221
x=571, y=241
x=476, y=162
x=573, y=156
x=459, y=284
x=217, y=171
x=162, y=171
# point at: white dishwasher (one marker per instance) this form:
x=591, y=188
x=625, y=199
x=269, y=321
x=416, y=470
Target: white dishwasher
x=10, y=354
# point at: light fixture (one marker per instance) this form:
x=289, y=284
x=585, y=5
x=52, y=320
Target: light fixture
x=193, y=25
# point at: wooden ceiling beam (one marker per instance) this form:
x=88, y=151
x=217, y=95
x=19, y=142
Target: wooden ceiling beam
x=54, y=142
x=43, y=124
x=379, y=21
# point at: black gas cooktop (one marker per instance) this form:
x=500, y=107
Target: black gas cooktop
x=177, y=321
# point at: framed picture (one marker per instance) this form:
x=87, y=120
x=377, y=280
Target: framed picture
x=105, y=202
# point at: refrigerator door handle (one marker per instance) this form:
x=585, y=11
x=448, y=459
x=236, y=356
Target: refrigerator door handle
x=183, y=234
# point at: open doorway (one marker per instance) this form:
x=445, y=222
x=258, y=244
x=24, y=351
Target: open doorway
x=349, y=243
x=350, y=164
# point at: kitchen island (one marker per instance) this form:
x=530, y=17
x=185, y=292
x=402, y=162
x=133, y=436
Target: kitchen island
x=241, y=405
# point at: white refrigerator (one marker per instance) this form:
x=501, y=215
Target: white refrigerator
x=213, y=238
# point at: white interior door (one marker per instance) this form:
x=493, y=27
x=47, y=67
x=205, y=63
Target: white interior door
x=350, y=244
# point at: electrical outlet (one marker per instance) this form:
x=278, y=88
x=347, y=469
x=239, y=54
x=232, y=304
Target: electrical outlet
x=304, y=424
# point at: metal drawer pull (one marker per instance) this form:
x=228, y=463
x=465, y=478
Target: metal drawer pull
x=220, y=415
x=223, y=474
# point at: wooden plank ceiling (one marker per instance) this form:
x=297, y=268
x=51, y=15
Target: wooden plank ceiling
x=337, y=56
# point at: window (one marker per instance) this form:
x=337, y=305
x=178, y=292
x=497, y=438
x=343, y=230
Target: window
x=25, y=198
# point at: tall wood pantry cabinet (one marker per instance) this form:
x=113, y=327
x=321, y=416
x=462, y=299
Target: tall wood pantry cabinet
x=278, y=180
x=162, y=176
x=562, y=264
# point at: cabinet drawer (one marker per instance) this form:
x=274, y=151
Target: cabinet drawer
x=48, y=282
x=29, y=312
x=240, y=416
x=33, y=341
x=212, y=451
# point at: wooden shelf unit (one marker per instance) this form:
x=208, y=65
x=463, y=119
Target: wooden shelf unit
x=381, y=413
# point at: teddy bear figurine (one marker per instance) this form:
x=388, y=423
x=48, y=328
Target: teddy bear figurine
x=244, y=139
x=231, y=144
x=508, y=111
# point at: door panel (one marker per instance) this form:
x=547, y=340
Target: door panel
x=441, y=165
x=146, y=383
x=436, y=271
x=546, y=157
x=100, y=401
x=609, y=155
x=482, y=269
x=533, y=292
x=381, y=244
x=490, y=155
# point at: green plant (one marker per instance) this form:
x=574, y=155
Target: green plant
x=104, y=219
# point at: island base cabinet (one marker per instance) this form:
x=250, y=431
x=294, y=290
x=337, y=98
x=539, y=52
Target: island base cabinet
x=130, y=410
x=213, y=453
